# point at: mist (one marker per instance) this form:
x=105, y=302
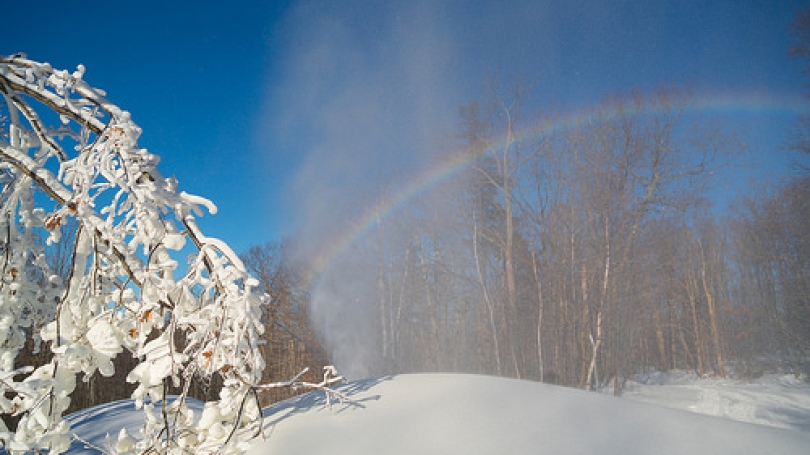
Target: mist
x=369, y=101
x=376, y=87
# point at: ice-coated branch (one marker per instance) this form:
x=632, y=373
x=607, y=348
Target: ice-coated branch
x=120, y=296
x=330, y=378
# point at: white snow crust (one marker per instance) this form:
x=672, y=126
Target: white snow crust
x=777, y=400
x=467, y=414
x=470, y=415
x=99, y=426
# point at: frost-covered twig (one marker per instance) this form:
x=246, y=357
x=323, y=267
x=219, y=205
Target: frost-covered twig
x=330, y=378
x=88, y=444
x=291, y=383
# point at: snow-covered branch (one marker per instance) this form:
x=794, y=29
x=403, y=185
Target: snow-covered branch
x=120, y=296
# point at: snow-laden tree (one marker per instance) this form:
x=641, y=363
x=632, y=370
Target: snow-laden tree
x=125, y=292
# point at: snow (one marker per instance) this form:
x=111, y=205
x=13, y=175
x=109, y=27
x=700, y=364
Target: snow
x=100, y=424
x=470, y=414
x=776, y=400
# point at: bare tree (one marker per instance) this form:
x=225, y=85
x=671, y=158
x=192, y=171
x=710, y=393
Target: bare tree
x=771, y=246
x=290, y=342
x=502, y=155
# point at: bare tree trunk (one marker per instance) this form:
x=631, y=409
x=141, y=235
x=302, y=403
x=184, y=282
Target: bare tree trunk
x=596, y=343
x=487, y=301
x=659, y=337
x=539, y=319
x=712, y=316
x=674, y=326
x=691, y=290
x=509, y=260
x=689, y=360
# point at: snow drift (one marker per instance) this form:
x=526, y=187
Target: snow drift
x=469, y=414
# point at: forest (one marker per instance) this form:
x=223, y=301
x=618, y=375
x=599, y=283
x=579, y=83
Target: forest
x=583, y=255
x=573, y=249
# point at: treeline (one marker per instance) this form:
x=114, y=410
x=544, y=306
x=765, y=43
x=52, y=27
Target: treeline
x=583, y=251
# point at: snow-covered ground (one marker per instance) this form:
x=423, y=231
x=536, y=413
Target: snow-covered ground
x=777, y=400
x=469, y=414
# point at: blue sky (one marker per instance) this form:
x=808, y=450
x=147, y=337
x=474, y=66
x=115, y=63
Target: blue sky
x=287, y=113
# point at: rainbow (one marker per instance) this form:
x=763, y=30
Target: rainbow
x=753, y=103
